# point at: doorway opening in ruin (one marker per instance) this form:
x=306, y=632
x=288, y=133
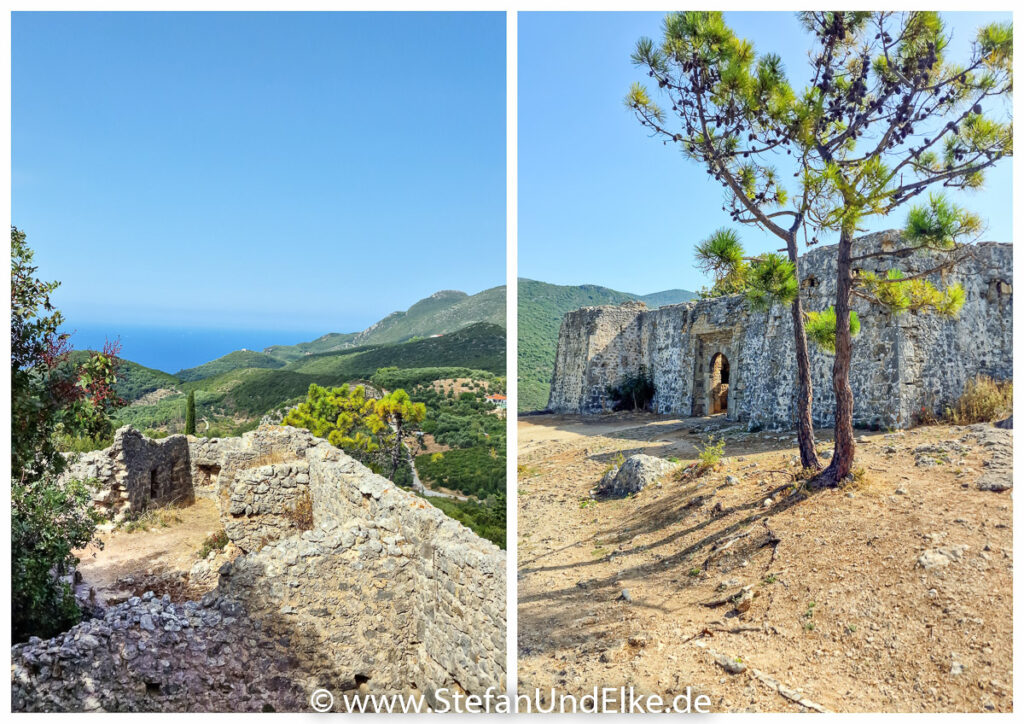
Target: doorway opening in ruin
x=719, y=387
x=154, y=488
x=207, y=475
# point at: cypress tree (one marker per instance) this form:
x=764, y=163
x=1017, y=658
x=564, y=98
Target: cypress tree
x=190, y=414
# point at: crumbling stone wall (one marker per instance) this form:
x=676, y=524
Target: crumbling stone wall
x=903, y=365
x=268, y=503
x=137, y=473
x=206, y=456
x=383, y=591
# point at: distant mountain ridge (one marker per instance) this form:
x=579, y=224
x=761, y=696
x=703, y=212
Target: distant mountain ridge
x=541, y=308
x=236, y=389
x=442, y=312
x=448, y=329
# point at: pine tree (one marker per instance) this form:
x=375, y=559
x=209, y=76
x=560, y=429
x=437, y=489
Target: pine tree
x=730, y=107
x=885, y=117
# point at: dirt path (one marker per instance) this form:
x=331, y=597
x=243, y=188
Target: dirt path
x=843, y=614
x=144, y=557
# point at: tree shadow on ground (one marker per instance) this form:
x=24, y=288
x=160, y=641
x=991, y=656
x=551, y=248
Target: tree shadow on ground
x=716, y=527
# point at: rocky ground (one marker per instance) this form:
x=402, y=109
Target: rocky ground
x=891, y=594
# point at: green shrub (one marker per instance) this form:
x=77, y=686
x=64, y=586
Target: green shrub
x=49, y=520
x=478, y=471
x=214, y=542
x=81, y=443
x=711, y=451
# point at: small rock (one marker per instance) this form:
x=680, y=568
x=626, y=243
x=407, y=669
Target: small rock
x=731, y=665
x=744, y=600
x=624, y=596
x=940, y=557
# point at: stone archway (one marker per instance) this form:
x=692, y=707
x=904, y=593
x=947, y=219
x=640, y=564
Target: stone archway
x=718, y=384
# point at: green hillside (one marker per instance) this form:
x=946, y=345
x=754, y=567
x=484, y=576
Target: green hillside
x=479, y=346
x=326, y=343
x=667, y=298
x=441, y=313
x=541, y=308
x=240, y=359
x=133, y=380
x=234, y=400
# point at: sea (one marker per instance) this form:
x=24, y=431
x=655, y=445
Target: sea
x=171, y=349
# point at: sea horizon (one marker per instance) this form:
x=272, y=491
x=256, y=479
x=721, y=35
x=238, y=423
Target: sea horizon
x=173, y=348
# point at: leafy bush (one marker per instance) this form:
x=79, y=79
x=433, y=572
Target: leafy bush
x=216, y=541
x=49, y=520
x=81, y=443
x=983, y=400
x=51, y=396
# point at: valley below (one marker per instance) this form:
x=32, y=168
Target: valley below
x=446, y=351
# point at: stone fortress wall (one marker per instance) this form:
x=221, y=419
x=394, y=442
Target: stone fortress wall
x=902, y=364
x=347, y=583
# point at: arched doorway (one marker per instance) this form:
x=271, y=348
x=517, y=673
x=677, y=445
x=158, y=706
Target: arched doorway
x=718, y=386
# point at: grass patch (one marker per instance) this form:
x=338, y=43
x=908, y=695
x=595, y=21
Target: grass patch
x=156, y=518
x=214, y=542
x=301, y=514
x=616, y=463
x=526, y=471
x=983, y=400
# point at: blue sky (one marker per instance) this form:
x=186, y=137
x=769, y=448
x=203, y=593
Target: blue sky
x=271, y=171
x=602, y=203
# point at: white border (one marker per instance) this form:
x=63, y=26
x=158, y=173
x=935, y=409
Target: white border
x=511, y=44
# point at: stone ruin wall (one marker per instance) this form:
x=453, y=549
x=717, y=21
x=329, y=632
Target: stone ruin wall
x=901, y=363
x=374, y=588
x=137, y=473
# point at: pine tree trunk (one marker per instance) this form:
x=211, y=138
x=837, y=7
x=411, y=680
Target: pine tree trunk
x=842, y=457
x=396, y=452
x=805, y=394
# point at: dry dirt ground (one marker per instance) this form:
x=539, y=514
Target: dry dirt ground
x=843, y=616
x=155, y=559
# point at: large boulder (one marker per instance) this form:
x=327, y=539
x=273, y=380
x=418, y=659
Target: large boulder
x=634, y=475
